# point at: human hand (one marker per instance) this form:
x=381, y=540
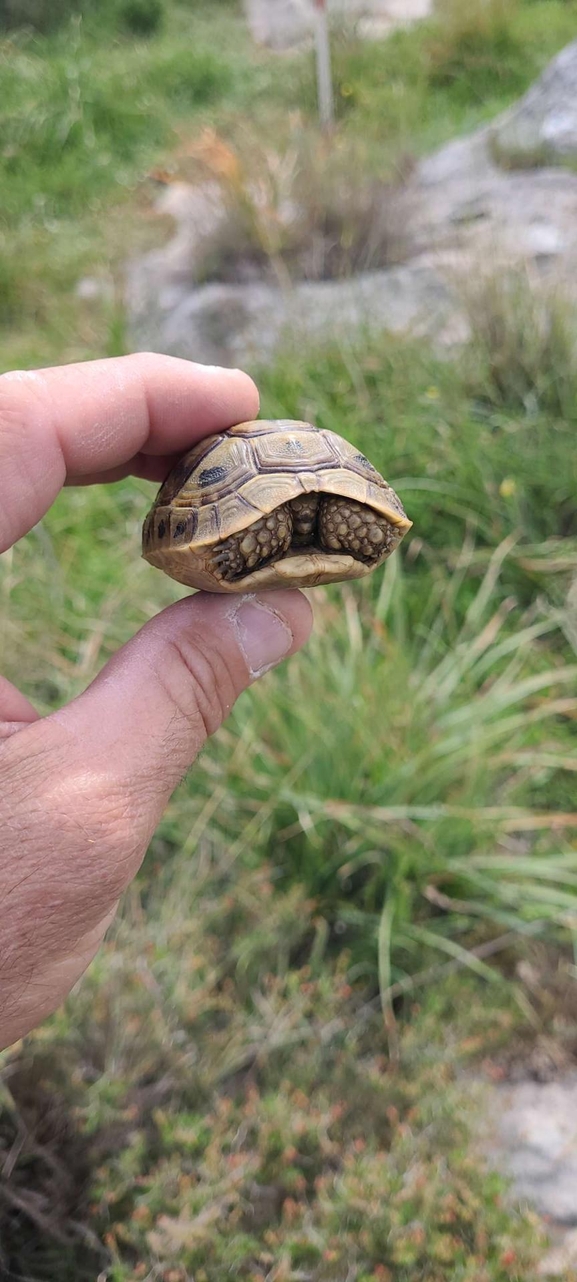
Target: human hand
x=82, y=790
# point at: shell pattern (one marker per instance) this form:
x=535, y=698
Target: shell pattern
x=228, y=482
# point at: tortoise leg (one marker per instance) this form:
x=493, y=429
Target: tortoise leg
x=348, y=526
x=250, y=549
x=304, y=514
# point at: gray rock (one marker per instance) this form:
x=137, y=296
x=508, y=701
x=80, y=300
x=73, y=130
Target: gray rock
x=198, y=211
x=286, y=24
x=280, y=24
x=247, y=324
x=92, y=289
x=459, y=199
x=383, y=16
x=542, y=127
x=534, y=1140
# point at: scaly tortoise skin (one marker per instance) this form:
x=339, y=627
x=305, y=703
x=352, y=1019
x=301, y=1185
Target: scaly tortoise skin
x=272, y=504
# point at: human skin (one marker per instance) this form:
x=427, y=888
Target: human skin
x=82, y=790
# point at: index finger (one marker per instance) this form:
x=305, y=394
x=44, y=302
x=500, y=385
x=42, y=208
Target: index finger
x=104, y=419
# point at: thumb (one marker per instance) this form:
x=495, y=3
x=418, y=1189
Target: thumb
x=142, y=722
x=83, y=789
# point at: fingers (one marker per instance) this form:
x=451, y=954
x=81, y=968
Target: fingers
x=103, y=419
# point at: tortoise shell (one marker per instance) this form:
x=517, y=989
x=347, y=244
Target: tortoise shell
x=272, y=504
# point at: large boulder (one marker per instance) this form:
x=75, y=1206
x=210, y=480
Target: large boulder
x=459, y=199
x=247, y=324
x=280, y=24
x=542, y=127
x=286, y=24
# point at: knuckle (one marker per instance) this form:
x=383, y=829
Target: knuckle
x=200, y=683
x=107, y=830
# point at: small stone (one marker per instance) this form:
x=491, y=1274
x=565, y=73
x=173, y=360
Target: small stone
x=535, y=1142
x=90, y=290
x=562, y=1259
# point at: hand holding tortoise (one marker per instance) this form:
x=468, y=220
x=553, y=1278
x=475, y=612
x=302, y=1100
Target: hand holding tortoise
x=247, y=514
x=82, y=790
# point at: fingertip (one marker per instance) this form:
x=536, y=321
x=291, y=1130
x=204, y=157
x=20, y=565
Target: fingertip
x=268, y=627
x=293, y=606
x=187, y=400
x=236, y=385
x=290, y=604
x=265, y=627
x=250, y=392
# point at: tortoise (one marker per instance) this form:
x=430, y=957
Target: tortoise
x=272, y=504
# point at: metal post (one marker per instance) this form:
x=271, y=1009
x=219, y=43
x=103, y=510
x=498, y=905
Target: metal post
x=324, y=77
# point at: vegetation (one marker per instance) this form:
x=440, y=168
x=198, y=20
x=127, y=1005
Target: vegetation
x=261, y=1074
x=237, y=1101
x=310, y=210
x=88, y=111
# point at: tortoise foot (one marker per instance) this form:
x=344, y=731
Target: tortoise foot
x=348, y=526
x=250, y=549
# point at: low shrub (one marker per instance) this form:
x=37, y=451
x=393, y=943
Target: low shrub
x=141, y=17
x=11, y=291
x=476, y=48
x=312, y=211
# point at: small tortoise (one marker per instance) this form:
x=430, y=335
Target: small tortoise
x=269, y=505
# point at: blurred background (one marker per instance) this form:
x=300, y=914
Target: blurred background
x=338, y=1010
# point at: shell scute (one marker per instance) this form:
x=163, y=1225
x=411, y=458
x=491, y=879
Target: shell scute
x=226, y=466
x=183, y=525
x=292, y=451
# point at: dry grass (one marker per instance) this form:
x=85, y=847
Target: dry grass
x=309, y=210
